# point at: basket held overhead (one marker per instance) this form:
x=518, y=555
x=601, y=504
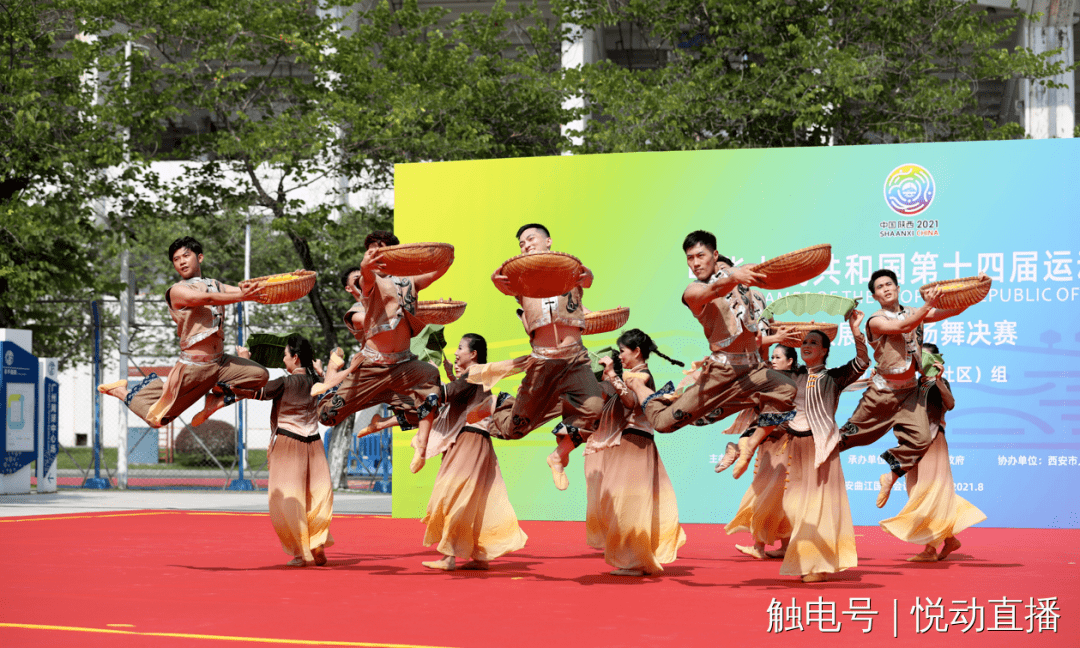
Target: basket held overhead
x=411, y=259
x=606, y=321
x=959, y=293
x=542, y=274
x=802, y=328
x=283, y=288
x=441, y=312
x=793, y=268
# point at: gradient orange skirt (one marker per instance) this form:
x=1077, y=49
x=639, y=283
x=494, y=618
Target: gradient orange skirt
x=469, y=515
x=934, y=511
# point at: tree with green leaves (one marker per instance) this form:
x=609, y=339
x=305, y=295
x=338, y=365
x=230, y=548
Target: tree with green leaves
x=296, y=95
x=759, y=73
x=64, y=174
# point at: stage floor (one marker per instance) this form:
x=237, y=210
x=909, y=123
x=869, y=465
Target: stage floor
x=205, y=578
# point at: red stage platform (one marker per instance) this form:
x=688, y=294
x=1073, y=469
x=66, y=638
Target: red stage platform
x=162, y=578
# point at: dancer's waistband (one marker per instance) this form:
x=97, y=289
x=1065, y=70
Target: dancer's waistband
x=200, y=359
x=387, y=358
x=881, y=383
x=637, y=432
x=469, y=428
x=736, y=359
x=299, y=437
x=557, y=353
x=800, y=433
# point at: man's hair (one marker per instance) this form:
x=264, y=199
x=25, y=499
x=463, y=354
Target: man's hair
x=722, y=258
x=185, y=242
x=521, y=230
x=479, y=344
x=381, y=236
x=699, y=237
x=878, y=274
x=345, y=275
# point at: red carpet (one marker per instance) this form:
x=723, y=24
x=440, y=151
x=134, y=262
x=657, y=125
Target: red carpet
x=148, y=578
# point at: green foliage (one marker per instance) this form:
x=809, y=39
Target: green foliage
x=297, y=96
x=58, y=179
x=294, y=95
x=742, y=73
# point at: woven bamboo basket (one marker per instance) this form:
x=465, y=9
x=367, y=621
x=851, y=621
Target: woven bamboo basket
x=959, y=293
x=802, y=328
x=441, y=312
x=283, y=288
x=606, y=321
x=541, y=274
x=793, y=268
x=412, y=259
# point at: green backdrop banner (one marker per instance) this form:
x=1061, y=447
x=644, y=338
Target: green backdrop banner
x=930, y=212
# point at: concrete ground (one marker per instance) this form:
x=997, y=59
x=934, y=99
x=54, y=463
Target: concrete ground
x=67, y=501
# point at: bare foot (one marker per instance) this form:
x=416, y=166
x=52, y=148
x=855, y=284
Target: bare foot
x=929, y=554
x=446, y=564
x=731, y=453
x=776, y=553
x=951, y=545
x=816, y=577
x=887, y=480
x=320, y=555
x=627, y=572
x=296, y=562
x=213, y=403
x=119, y=385
x=743, y=461
x=558, y=475
x=754, y=551
x=372, y=427
x=418, y=460
x=475, y=565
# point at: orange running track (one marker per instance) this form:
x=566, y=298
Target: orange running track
x=167, y=578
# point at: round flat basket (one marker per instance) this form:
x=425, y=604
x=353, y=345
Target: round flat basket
x=959, y=293
x=803, y=328
x=283, y=288
x=606, y=321
x=541, y=274
x=413, y=259
x=441, y=312
x=793, y=268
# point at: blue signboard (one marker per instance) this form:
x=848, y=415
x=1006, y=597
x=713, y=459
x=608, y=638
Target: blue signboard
x=48, y=439
x=18, y=392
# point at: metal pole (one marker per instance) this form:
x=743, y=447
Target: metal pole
x=96, y=481
x=240, y=483
x=125, y=315
x=247, y=275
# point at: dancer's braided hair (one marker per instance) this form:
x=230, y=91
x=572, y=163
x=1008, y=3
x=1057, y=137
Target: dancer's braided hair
x=638, y=339
x=302, y=349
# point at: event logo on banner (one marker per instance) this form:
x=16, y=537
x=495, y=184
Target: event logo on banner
x=909, y=189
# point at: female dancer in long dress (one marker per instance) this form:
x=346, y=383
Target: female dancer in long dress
x=815, y=500
x=301, y=494
x=934, y=513
x=634, y=516
x=469, y=515
x=761, y=511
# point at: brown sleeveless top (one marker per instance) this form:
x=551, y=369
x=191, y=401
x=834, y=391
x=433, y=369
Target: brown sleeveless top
x=383, y=307
x=895, y=354
x=564, y=310
x=197, y=323
x=730, y=321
